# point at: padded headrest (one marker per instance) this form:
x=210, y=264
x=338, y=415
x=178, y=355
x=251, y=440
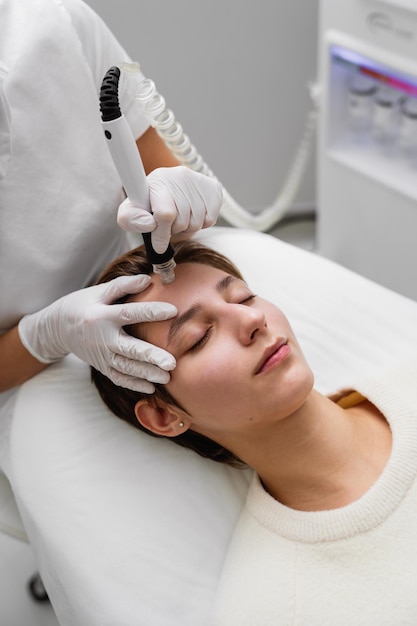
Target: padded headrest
x=129, y=530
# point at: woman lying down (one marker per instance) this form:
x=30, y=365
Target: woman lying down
x=328, y=535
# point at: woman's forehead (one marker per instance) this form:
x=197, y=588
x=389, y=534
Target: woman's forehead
x=190, y=278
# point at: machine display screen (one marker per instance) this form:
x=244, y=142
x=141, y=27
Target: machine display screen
x=368, y=67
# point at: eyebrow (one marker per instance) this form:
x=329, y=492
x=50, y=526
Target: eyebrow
x=178, y=323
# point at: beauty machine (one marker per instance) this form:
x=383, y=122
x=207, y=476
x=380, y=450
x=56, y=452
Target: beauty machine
x=367, y=148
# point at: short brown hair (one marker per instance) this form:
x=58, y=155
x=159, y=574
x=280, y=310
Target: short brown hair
x=122, y=401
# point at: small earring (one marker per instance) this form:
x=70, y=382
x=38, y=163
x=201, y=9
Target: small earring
x=181, y=424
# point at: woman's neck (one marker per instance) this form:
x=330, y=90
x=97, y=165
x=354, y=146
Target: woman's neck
x=322, y=457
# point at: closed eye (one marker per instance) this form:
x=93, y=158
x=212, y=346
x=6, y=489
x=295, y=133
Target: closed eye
x=201, y=341
x=248, y=299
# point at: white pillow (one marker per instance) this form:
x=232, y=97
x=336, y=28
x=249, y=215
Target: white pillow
x=129, y=530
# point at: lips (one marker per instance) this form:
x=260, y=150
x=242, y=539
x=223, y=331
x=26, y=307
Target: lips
x=273, y=355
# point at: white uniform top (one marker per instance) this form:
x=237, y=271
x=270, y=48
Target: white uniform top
x=59, y=192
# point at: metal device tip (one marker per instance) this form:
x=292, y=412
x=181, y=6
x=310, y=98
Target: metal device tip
x=166, y=272
x=167, y=277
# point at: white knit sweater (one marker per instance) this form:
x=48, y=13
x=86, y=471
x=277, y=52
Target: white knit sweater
x=352, y=566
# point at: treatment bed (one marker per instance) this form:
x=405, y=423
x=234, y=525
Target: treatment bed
x=132, y=531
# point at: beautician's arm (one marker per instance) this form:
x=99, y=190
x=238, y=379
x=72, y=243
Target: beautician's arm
x=16, y=364
x=154, y=151
x=50, y=337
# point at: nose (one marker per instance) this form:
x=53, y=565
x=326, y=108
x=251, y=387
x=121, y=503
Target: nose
x=249, y=323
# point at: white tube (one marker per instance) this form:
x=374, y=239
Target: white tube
x=163, y=120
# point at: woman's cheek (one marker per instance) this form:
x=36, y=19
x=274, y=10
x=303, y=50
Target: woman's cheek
x=219, y=370
x=205, y=372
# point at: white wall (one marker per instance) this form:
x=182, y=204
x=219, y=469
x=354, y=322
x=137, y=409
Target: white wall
x=235, y=73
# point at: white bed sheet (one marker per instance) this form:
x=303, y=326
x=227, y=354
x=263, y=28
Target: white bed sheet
x=132, y=531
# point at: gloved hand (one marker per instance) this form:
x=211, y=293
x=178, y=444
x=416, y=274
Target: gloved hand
x=182, y=201
x=87, y=324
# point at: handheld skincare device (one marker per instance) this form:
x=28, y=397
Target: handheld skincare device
x=129, y=165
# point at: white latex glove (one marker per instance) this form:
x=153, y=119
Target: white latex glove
x=86, y=323
x=182, y=201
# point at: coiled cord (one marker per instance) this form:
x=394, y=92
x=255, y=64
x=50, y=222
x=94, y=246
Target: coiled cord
x=163, y=120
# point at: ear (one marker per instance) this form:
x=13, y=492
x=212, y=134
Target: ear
x=167, y=421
